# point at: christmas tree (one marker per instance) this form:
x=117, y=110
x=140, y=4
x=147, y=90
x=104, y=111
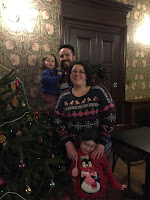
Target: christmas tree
x=31, y=167
x=100, y=74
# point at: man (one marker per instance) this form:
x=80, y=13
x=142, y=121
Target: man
x=67, y=57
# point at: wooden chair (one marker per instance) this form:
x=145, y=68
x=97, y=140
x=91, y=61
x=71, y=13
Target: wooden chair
x=127, y=155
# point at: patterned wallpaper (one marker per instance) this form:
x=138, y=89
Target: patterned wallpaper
x=23, y=50
x=138, y=54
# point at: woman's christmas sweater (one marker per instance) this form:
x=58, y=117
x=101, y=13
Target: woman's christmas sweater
x=95, y=109
x=93, y=176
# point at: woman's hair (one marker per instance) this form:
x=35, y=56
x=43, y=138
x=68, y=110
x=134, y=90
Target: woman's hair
x=90, y=134
x=45, y=57
x=88, y=72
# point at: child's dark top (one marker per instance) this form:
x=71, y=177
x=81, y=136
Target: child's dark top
x=50, y=79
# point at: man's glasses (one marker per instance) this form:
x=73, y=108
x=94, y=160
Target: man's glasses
x=75, y=72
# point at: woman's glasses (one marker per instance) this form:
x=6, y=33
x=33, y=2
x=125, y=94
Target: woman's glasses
x=75, y=72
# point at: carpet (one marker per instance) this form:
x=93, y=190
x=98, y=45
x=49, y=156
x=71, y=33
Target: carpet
x=137, y=180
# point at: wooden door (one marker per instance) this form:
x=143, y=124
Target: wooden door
x=100, y=47
x=84, y=43
x=97, y=31
x=108, y=53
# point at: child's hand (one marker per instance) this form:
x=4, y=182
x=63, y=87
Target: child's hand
x=59, y=73
x=124, y=187
x=75, y=172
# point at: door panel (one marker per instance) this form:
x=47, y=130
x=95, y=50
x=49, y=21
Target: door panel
x=99, y=47
x=108, y=50
x=84, y=42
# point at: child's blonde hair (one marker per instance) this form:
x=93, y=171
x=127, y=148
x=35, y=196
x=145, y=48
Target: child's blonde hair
x=45, y=57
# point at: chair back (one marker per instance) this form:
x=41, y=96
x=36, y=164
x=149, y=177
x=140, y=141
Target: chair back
x=127, y=155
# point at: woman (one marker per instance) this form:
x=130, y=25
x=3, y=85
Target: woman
x=84, y=106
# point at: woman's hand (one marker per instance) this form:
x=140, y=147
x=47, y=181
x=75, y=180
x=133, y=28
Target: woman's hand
x=98, y=151
x=71, y=150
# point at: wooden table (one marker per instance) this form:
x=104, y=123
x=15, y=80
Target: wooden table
x=139, y=140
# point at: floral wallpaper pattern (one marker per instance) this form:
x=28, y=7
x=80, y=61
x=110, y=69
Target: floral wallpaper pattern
x=138, y=54
x=24, y=50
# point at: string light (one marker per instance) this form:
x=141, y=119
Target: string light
x=14, y=194
x=14, y=119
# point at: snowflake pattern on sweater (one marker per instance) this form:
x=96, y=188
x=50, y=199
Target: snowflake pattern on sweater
x=95, y=109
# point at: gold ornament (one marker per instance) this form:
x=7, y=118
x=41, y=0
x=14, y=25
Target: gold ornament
x=13, y=85
x=2, y=139
x=19, y=133
x=4, y=143
x=8, y=108
x=24, y=129
x=28, y=190
x=29, y=118
x=53, y=155
x=15, y=102
x=63, y=168
x=40, y=140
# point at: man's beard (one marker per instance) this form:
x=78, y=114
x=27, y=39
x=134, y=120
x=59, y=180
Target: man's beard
x=64, y=66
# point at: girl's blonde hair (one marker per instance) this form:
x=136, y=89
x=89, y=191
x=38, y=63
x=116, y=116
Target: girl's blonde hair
x=45, y=57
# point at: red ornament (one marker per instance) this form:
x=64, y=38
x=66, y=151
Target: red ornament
x=36, y=115
x=1, y=182
x=22, y=164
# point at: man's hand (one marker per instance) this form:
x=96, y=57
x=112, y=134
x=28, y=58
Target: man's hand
x=98, y=151
x=71, y=150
